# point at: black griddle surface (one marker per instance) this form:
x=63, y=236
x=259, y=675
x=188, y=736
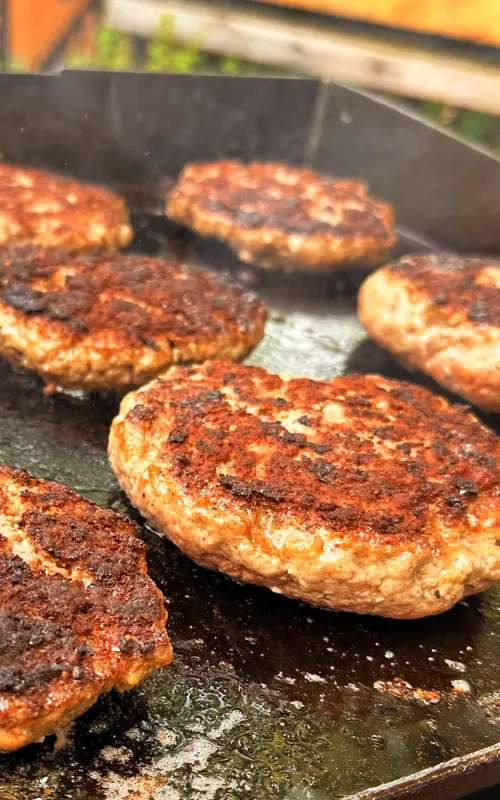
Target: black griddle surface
x=267, y=697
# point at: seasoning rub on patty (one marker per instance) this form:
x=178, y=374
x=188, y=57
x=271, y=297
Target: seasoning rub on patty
x=360, y=493
x=78, y=614
x=276, y=215
x=441, y=313
x=48, y=210
x=115, y=321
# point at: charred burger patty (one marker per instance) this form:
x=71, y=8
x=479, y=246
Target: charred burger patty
x=107, y=322
x=276, y=215
x=359, y=493
x=441, y=313
x=53, y=211
x=78, y=613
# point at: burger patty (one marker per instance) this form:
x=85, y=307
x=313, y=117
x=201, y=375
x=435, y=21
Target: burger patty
x=360, y=493
x=441, y=313
x=78, y=613
x=52, y=211
x=276, y=215
x=107, y=322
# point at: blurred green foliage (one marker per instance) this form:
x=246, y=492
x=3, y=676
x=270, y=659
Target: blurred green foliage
x=162, y=53
x=165, y=53
x=474, y=125
x=17, y=65
x=113, y=50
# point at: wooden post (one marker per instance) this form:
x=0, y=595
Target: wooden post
x=37, y=26
x=4, y=42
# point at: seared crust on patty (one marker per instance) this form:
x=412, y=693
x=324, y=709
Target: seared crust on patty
x=78, y=613
x=107, y=322
x=441, y=313
x=53, y=211
x=360, y=493
x=276, y=215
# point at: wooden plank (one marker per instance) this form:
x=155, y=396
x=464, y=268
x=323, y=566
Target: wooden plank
x=475, y=20
x=270, y=38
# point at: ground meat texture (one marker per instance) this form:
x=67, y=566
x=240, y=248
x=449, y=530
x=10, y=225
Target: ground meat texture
x=78, y=613
x=276, y=215
x=54, y=211
x=360, y=493
x=115, y=321
x=440, y=313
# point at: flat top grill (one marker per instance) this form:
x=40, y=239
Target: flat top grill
x=267, y=697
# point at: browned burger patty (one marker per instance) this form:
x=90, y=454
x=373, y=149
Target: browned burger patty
x=107, y=322
x=52, y=211
x=440, y=313
x=361, y=493
x=276, y=215
x=78, y=614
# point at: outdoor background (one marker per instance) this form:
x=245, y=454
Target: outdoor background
x=428, y=53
